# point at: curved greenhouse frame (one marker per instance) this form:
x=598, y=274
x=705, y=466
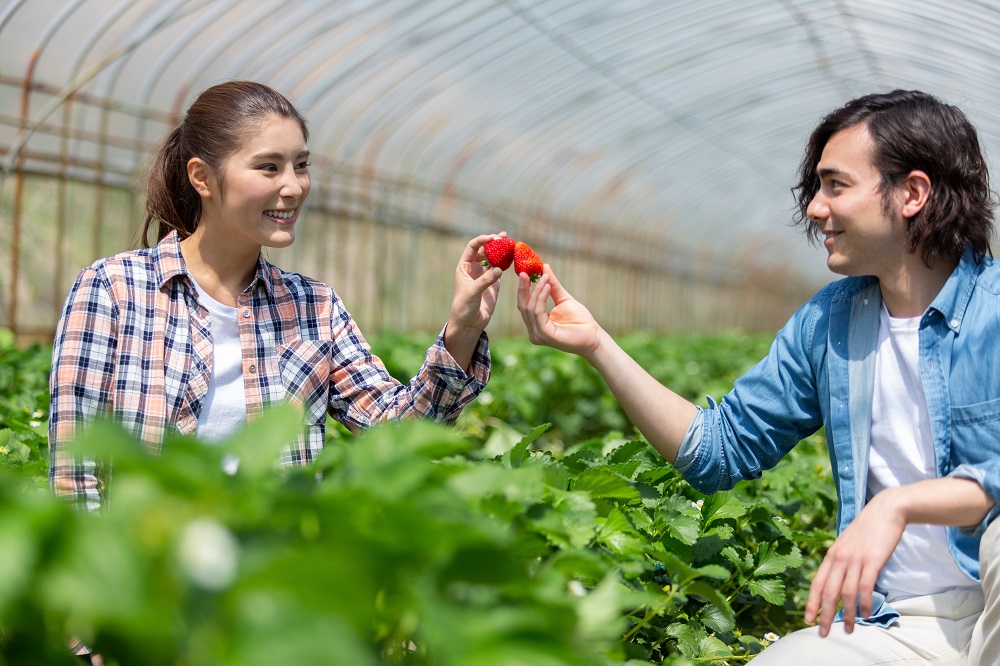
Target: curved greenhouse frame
x=646, y=149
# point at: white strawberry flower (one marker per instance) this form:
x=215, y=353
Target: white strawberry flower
x=208, y=553
x=771, y=637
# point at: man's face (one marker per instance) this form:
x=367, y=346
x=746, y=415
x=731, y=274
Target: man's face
x=861, y=236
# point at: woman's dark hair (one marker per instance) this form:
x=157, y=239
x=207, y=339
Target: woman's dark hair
x=215, y=126
x=912, y=130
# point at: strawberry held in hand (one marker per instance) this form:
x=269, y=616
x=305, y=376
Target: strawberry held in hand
x=499, y=252
x=527, y=261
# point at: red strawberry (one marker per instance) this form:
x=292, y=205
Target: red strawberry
x=527, y=261
x=499, y=252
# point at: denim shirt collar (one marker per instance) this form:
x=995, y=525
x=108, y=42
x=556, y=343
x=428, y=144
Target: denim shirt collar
x=953, y=299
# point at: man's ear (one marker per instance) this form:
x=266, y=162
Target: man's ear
x=200, y=177
x=915, y=189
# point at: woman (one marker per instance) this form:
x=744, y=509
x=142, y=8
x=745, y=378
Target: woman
x=200, y=332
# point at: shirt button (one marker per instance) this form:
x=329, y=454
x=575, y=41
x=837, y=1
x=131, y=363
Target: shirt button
x=252, y=368
x=954, y=323
x=246, y=313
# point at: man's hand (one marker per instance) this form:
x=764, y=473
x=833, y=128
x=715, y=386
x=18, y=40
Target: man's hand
x=853, y=563
x=569, y=327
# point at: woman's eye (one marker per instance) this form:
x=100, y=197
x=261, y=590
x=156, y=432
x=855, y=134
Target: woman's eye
x=267, y=167
x=303, y=165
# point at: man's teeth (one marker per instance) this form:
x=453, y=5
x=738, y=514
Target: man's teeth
x=280, y=214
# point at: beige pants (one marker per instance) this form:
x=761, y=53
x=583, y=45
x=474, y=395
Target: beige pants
x=955, y=627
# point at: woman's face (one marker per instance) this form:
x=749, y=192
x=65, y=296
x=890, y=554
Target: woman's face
x=265, y=182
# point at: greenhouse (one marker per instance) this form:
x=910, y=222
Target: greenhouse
x=647, y=151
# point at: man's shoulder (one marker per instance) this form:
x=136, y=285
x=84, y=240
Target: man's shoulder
x=989, y=275
x=844, y=288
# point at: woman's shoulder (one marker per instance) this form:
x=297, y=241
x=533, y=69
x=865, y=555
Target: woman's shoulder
x=297, y=284
x=128, y=262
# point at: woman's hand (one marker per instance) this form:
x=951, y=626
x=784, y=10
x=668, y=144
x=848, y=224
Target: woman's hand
x=476, y=291
x=569, y=326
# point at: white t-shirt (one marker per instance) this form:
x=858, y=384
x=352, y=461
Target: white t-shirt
x=225, y=408
x=902, y=452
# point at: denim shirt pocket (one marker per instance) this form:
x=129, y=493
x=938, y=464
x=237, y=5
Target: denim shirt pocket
x=971, y=426
x=305, y=374
x=974, y=439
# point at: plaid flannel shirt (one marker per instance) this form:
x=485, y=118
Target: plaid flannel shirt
x=134, y=343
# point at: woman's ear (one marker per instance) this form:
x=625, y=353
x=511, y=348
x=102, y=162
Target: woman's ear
x=916, y=190
x=200, y=177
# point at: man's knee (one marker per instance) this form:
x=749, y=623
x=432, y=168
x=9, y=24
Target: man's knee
x=806, y=647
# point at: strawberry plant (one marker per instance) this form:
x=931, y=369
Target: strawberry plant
x=24, y=407
x=540, y=530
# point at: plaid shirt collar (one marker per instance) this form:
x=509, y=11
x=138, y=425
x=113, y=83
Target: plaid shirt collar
x=168, y=262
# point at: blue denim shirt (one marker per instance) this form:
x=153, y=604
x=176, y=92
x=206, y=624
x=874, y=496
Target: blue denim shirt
x=819, y=372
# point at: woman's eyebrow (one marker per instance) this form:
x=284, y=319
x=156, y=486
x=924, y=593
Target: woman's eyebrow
x=277, y=155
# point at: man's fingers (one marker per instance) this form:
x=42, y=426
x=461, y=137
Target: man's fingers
x=824, y=594
x=815, y=590
x=849, y=594
x=866, y=586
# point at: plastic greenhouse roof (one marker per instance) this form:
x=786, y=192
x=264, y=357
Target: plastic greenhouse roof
x=664, y=132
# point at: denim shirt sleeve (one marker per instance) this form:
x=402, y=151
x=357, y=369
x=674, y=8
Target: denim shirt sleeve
x=770, y=409
x=986, y=475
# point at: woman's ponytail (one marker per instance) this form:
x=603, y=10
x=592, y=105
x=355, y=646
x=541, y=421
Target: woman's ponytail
x=172, y=204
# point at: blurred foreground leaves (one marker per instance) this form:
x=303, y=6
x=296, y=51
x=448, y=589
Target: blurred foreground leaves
x=505, y=540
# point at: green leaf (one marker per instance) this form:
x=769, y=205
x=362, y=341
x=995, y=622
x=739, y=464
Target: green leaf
x=618, y=534
x=715, y=571
x=770, y=563
x=743, y=563
x=515, y=456
x=257, y=446
x=684, y=528
x=712, y=647
x=525, y=485
x=724, y=620
x=627, y=452
x=601, y=611
x=569, y=521
x=771, y=589
x=602, y=483
x=626, y=469
x=688, y=638
x=721, y=506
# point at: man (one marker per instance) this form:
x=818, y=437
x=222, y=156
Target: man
x=897, y=361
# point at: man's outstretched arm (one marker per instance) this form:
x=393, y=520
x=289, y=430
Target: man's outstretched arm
x=661, y=415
